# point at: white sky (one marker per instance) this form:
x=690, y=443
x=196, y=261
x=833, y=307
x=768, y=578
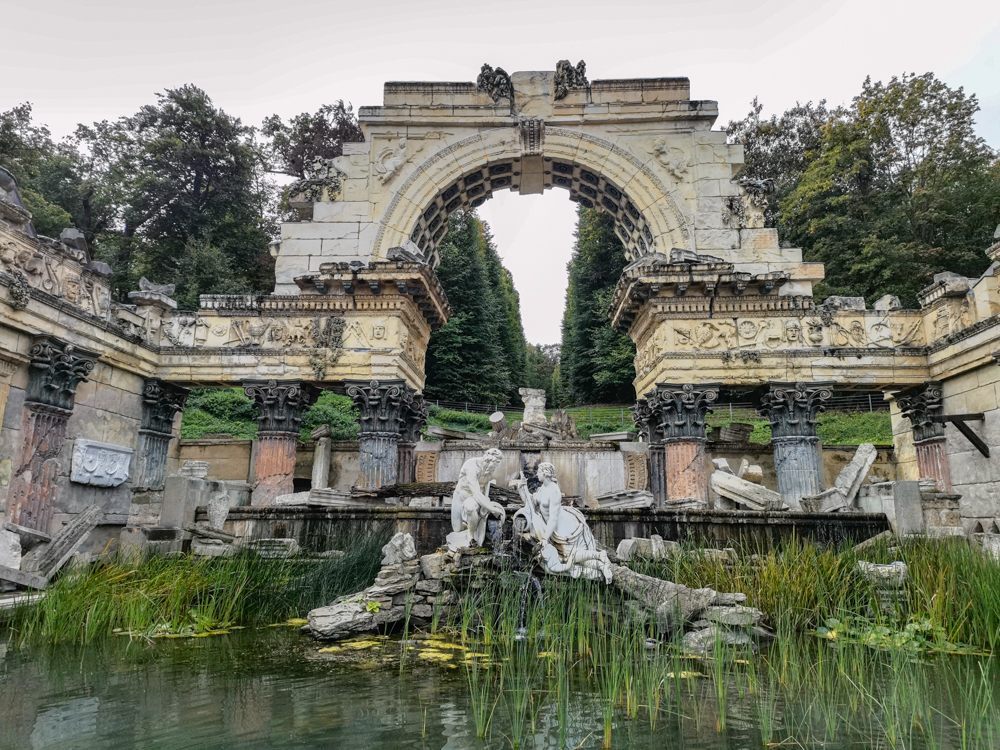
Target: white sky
x=81, y=62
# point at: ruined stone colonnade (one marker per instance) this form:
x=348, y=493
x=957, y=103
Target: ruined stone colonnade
x=93, y=390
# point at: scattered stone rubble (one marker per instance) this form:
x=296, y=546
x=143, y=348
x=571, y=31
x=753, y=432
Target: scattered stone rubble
x=847, y=485
x=31, y=558
x=424, y=588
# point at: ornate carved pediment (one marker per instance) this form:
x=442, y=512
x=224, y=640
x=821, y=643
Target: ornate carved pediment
x=919, y=405
x=791, y=408
x=280, y=403
x=160, y=402
x=55, y=370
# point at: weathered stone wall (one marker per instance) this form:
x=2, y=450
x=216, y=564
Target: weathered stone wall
x=973, y=475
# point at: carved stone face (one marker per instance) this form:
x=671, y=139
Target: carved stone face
x=71, y=289
x=378, y=332
x=793, y=332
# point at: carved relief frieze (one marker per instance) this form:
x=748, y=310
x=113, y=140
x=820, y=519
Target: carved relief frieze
x=100, y=464
x=636, y=470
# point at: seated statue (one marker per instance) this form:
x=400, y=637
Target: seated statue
x=566, y=544
x=471, y=506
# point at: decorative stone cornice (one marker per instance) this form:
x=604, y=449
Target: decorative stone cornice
x=919, y=405
x=384, y=405
x=55, y=370
x=280, y=403
x=675, y=410
x=791, y=408
x=160, y=402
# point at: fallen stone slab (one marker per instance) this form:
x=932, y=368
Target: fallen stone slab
x=351, y=615
x=46, y=559
x=746, y=493
x=293, y=498
x=23, y=578
x=655, y=548
x=672, y=604
x=30, y=538
x=828, y=501
x=211, y=548
x=885, y=536
x=626, y=499
x=847, y=484
x=399, y=549
x=273, y=548
x=207, y=532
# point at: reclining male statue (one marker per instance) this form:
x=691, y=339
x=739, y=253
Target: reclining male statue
x=567, y=546
x=471, y=506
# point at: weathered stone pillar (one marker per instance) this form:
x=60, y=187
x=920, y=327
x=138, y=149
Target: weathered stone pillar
x=672, y=418
x=791, y=409
x=160, y=403
x=280, y=404
x=415, y=412
x=390, y=412
x=55, y=370
x=919, y=406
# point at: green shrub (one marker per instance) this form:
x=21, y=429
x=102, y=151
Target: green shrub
x=197, y=423
x=337, y=411
x=223, y=403
x=459, y=420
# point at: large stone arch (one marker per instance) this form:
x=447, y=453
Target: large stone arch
x=598, y=174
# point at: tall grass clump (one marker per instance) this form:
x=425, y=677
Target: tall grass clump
x=187, y=595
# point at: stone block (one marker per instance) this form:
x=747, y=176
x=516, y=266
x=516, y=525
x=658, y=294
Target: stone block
x=748, y=494
x=827, y=501
x=399, y=549
x=899, y=500
x=429, y=586
x=733, y=616
x=704, y=641
x=348, y=211
x=10, y=549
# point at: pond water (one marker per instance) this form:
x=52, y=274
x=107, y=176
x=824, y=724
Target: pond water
x=273, y=688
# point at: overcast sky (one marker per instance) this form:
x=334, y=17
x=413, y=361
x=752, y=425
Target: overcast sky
x=86, y=61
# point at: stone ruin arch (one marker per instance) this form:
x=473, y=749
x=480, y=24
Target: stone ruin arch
x=596, y=173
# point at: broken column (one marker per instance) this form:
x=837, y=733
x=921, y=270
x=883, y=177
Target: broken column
x=919, y=406
x=675, y=414
x=280, y=404
x=390, y=409
x=791, y=409
x=321, y=456
x=55, y=370
x=160, y=403
x=847, y=484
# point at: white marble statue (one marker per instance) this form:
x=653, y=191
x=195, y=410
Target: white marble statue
x=567, y=546
x=471, y=506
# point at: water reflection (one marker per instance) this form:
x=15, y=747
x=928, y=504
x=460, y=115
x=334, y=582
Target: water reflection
x=269, y=688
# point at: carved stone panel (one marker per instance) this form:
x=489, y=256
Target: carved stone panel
x=100, y=464
x=636, y=470
x=427, y=463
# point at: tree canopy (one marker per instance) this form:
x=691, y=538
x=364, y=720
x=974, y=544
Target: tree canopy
x=886, y=191
x=596, y=363
x=479, y=354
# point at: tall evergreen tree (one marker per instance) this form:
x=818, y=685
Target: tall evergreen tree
x=596, y=363
x=479, y=355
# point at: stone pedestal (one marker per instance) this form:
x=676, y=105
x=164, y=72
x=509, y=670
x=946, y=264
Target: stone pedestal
x=391, y=415
x=798, y=462
x=672, y=419
x=280, y=404
x=55, y=370
x=919, y=406
x=686, y=474
x=791, y=408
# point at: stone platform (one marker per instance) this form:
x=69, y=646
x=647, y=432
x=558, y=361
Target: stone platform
x=319, y=528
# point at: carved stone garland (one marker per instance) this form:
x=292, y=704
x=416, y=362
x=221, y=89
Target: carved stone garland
x=928, y=437
x=280, y=404
x=54, y=372
x=160, y=403
x=791, y=409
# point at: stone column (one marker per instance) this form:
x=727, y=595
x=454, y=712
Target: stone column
x=919, y=406
x=672, y=419
x=280, y=404
x=160, y=403
x=55, y=370
x=415, y=412
x=321, y=457
x=390, y=411
x=791, y=409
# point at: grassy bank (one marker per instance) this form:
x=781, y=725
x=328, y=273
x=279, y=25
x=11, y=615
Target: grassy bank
x=186, y=595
